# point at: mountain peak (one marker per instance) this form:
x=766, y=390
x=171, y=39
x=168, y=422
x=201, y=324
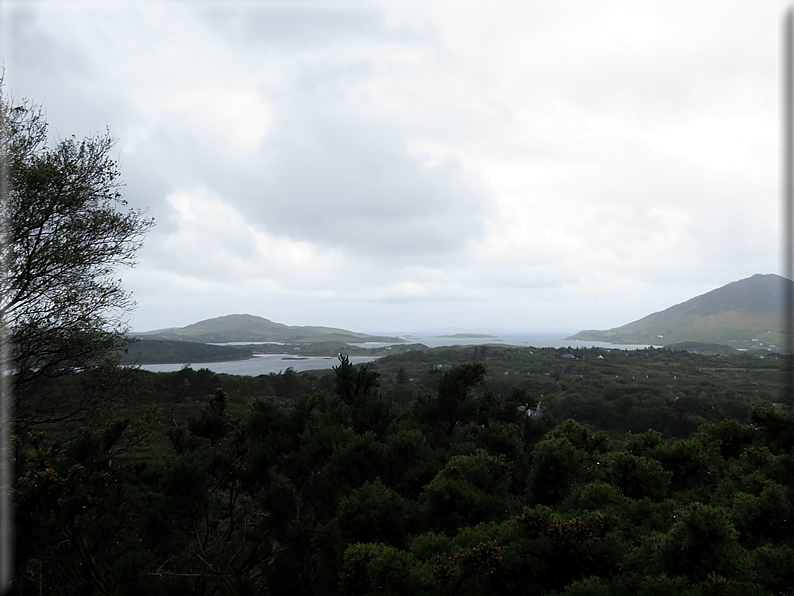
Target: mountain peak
x=747, y=313
x=254, y=329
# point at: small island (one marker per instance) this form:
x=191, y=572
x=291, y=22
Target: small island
x=464, y=336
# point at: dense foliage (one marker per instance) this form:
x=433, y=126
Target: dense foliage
x=339, y=489
x=168, y=351
x=64, y=231
x=618, y=391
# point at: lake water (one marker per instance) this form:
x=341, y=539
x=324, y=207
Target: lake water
x=537, y=339
x=276, y=363
x=262, y=364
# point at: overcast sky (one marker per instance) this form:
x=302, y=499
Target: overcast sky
x=400, y=166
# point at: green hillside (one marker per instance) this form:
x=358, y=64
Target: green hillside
x=250, y=328
x=744, y=314
x=152, y=351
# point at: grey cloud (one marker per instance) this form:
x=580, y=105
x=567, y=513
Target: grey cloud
x=55, y=73
x=340, y=178
x=331, y=171
x=29, y=51
x=77, y=99
x=300, y=27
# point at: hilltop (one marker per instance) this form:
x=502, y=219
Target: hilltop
x=743, y=314
x=253, y=329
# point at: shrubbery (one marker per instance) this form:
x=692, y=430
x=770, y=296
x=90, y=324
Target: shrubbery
x=464, y=493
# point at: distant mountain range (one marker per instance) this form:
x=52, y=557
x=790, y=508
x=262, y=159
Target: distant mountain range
x=249, y=328
x=744, y=314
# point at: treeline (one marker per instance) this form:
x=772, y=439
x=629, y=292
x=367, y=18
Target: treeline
x=169, y=351
x=464, y=491
x=189, y=385
x=158, y=351
x=617, y=391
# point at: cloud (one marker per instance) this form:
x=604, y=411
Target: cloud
x=341, y=179
x=335, y=168
x=373, y=161
x=286, y=131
